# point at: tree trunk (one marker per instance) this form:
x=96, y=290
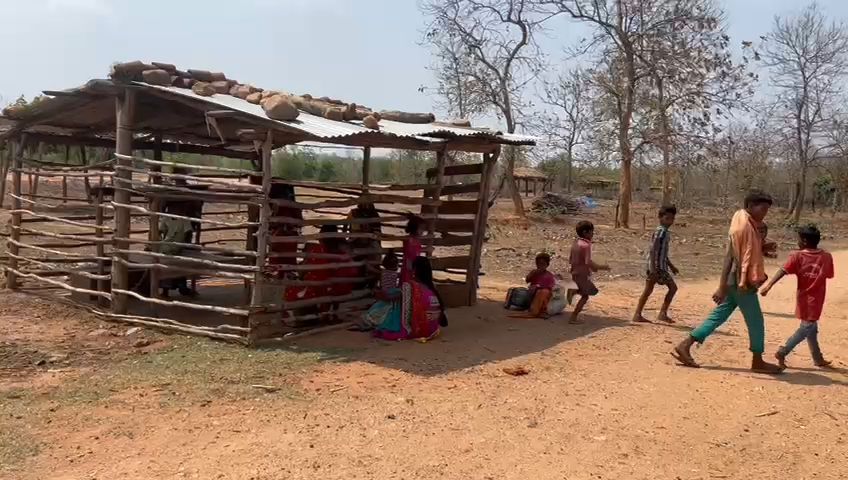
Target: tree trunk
x=626, y=116
x=793, y=198
x=510, y=182
x=801, y=192
x=666, y=146
x=570, y=174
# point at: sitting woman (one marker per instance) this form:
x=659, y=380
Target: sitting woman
x=541, y=283
x=421, y=310
x=316, y=255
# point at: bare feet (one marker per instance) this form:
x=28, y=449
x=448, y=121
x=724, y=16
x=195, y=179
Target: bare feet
x=640, y=319
x=663, y=317
x=758, y=365
x=781, y=360
x=575, y=320
x=681, y=354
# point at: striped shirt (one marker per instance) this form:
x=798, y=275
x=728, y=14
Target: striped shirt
x=388, y=280
x=658, y=254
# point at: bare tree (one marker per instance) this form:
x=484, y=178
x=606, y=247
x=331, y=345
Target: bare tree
x=808, y=57
x=693, y=78
x=618, y=27
x=569, y=125
x=488, y=51
x=671, y=50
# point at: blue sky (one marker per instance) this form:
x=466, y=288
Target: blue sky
x=358, y=50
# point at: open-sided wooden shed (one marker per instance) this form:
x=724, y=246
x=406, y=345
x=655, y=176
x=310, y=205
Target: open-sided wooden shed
x=534, y=177
x=101, y=250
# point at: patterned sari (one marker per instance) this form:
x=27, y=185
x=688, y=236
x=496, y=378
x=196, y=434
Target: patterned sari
x=411, y=249
x=417, y=317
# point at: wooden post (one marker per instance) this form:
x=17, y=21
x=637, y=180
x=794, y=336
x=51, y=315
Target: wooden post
x=526, y=187
x=65, y=179
x=534, y=187
x=15, y=234
x=35, y=179
x=366, y=169
x=441, y=159
x=472, y=275
x=100, y=247
x=448, y=162
x=5, y=161
x=86, y=181
x=253, y=213
x=156, y=207
x=124, y=110
x=258, y=295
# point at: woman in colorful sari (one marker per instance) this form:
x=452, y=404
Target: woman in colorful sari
x=421, y=312
x=411, y=247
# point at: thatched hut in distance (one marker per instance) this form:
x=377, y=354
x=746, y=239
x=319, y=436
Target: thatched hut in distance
x=99, y=250
x=532, y=176
x=599, y=187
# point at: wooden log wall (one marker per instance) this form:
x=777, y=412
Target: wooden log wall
x=457, y=227
x=113, y=232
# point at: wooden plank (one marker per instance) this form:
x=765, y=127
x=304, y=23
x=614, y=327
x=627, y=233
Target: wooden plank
x=454, y=241
x=458, y=225
x=454, y=295
x=454, y=170
x=461, y=262
x=454, y=207
x=472, y=275
x=435, y=193
x=460, y=188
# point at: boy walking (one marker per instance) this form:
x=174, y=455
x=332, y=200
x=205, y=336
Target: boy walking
x=742, y=274
x=582, y=267
x=813, y=267
x=659, y=268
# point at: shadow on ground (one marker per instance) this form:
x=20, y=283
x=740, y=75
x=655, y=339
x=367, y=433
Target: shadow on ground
x=792, y=376
x=476, y=336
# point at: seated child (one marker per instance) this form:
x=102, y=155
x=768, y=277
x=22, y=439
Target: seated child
x=813, y=267
x=582, y=268
x=541, y=285
x=389, y=274
x=387, y=306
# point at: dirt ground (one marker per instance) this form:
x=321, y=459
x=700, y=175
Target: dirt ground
x=81, y=399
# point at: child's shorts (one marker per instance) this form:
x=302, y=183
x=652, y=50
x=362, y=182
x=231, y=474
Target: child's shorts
x=663, y=277
x=585, y=286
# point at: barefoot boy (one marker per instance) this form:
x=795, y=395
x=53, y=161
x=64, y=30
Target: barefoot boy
x=813, y=267
x=660, y=269
x=582, y=267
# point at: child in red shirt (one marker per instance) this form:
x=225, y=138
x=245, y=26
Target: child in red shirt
x=813, y=267
x=582, y=267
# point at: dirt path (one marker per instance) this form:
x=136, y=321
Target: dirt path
x=602, y=401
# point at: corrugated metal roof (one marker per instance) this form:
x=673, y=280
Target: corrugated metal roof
x=329, y=130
